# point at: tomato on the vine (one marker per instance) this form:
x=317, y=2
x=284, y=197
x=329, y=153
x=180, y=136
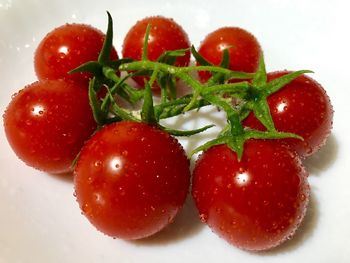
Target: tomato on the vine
x=165, y=35
x=254, y=203
x=47, y=123
x=244, y=50
x=131, y=179
x=66, y=48
x=301, y=107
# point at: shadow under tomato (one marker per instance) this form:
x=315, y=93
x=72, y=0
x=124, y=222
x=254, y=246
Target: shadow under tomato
x=64, y=177
x=185, y=225
x=304, y=232
x=324, y=158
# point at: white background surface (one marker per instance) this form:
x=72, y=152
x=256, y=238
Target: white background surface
x=39, y=218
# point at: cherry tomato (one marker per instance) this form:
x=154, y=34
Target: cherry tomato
x=67, y=47
x=255, y=203
x=301, y=107
x=131, y=179
x=165, y=35
x=244, y=50
x=47, y=123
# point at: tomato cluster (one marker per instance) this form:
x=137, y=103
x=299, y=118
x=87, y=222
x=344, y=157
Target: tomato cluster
x=131, y=175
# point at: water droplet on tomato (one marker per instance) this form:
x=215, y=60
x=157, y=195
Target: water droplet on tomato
x=218, y=210
x=89, y=180
x=99, y=199
x=308, y=150
x=203, y=218
x=86, y=209
x=274, y=225
x=121, y=191
x=233, y=223
x=170, y=220
x=97, y=163
x=289, y=237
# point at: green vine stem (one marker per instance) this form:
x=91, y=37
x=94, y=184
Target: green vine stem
x=237, y=100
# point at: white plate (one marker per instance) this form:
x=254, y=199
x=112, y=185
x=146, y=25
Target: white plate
x=39, y=218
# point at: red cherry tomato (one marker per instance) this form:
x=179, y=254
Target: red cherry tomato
x=301, y=107
x=47, y=123
x=165, y=35
x=244, y=50
x=67, y=47
x=131, y=179
x=255, y=203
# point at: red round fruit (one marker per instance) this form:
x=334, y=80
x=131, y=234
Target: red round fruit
x=244, y=50
x=165, y=35
x=300, y=107
x=255, y=203
x=131, y=179
x=67, y=47
x=48, y=122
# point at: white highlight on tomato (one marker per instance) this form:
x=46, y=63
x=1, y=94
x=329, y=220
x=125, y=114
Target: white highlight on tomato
x=63, y=50
x=281, y=107
x=116, y=164
x=38, y=110
x=242, y=178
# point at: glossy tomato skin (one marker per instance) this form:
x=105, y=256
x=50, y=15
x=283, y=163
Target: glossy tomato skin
x=131, y=179
x=244, y=49
x=300, y=107
x=165, y=35
x=67, y=47
x=47, y=123
x=256, y=203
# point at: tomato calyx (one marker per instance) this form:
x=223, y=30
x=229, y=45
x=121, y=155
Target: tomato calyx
x=104, y=70
x=253, y=98
x=256, y=97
